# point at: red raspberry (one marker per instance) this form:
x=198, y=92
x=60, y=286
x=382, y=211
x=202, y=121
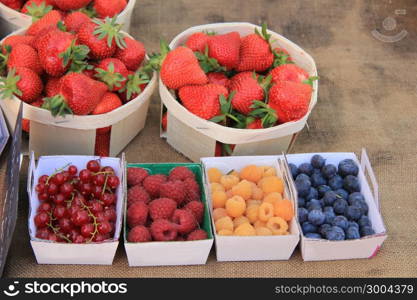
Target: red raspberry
x=192, y=196
x=173, y=189
x=137, y=194
x=197, y=209
x=180, y=238
x=139, y=234
x=152, y=184
x=162, y=208
x=180, y=173
x=192, y=189
x=198, y=234
x=163, y=230
x=185, y=221
x=137, y=214
x=136, y=176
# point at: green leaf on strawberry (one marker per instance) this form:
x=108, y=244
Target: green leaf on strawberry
x=156, y=59
x=57, y=105
x=262, y=111
x=310, y=80
x=9, y=85
x=77, y=55
x=208, y=64
x=110, y=30
x=37, y=11
x=133, y=83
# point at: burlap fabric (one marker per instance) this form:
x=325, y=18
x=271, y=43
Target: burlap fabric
x=367, y=98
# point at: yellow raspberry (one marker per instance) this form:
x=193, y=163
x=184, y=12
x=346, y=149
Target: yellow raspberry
x=253, y=202
x=271, y=184
x=269, y=171
x=257, y=193
x=277, y=225
x=216, y=187
x=240, y=220
x=235, y=206
x=219, y=213
x=263, y=231
x=218, y=199
x=252, y=213
x=273, y=198
x=245, y=229
x=251, y=173
x=235, y=173
x=259, y=223
x=225, y=232
x=266, y=211
x=229, y=181
x=284, y=209
x=214, y=175
x=224, y=223
x=229, y=194
x=243, y=189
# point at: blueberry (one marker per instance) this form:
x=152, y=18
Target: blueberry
x=317, y=179
x=340, y=221
x=329, y=198
x=302, y=214
x=317, y=161
x=308, y=227
x=353, y=213
x=324, y=228
x=294, y=170
x=312, y=235
x=329, y=216
x=313, y=194
x=364, y=221
x=316, y=171
x=329, y=171
x=301, y=202
x=328, y=208
x=351, y=184
x=348, y=167
x=306, y=168
x=322, y=202
x=352, y=233
x=313, y=204
x=367, y=230
x=340, y=205
x=322, y=189
x=353, y=224
x=303, y=187
x=362, y=205
x=335, y=233
x=356, y=196
x=336, y=182
x=342, y=193
x=316, y=217
x=302, y=177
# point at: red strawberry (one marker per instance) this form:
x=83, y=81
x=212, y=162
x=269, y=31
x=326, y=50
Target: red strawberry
x=255, y=52
x=197, y=209
x=37, y=8
x=203, y=100
x=23, y=83
x=135, y=84
x=42, y=35
x=133, y=55
x=52, y=86
x=198, y=234
x=101, y=37
x=289, y=72
x=218, y=78
x=164, y=121
x=180, y=68
x=137, y=214
x=174, y=190
x=197, y=41
x=67, y=5
x=74, y=20
x=139, y=234
x=137, y=194
x=102, y=146
x=247, y=89
x=152, y=184
x=162, y=208
x=109, y=102
x=218, y=150
x=79, y=94
x=109, y=8
x=225, y=49
x=163, y=230
x=113, y=73
x=254, y=124
x=23, y=55
x=51, y=18
x=281, y=57
x=18, y=39
x=15, y=4
x=184, y=220
x=136, y=176
x=180, y=173
x=290, y=100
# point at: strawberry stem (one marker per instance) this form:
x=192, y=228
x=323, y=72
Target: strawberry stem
x=57, y=105
x=110, y=29
x=9, y=85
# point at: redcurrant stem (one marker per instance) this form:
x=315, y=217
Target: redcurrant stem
x=105, y=184
x=69, y=202
x=103, y=172
x=57, y=171
x=56, y=229
x=94, y=221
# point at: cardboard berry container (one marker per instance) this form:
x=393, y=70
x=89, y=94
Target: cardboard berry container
x=11, y=20
x=365, y=247
x=75, y=135
x=174, y=252
x=47, y=252
x=252, y=248
x=195, y=137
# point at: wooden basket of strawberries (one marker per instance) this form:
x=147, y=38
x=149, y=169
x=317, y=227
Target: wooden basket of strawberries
x=16, y=14
x=234, y=89
x=84, y=90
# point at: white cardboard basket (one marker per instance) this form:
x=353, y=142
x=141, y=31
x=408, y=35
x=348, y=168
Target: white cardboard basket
x=75, y=135
x=11, y=20
x=251, y=248
x=47, y=252
x=195, y=137
x=366, y=247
